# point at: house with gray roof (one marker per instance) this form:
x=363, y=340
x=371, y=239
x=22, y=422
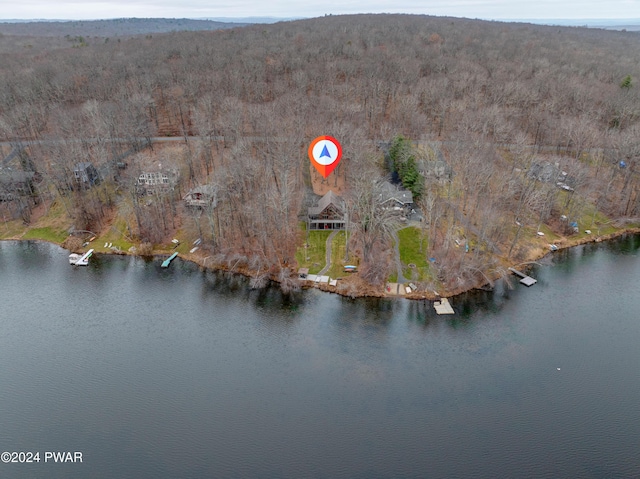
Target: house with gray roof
x=396, y=198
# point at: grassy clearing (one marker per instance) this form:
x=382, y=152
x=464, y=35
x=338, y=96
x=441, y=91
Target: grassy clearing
x=530, y=241
x=588, y=218
x=313, y=256
x=338, y=247
x=186, y=242
x=549, y=236
x=11, y=229
x=52, y=226
x=56, y=217
x=47, y=234
x=117, y=235
x=411, y=253
x=597, y=222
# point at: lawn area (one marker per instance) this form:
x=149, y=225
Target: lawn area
x=549, y=236
x=186, y=243
x=410, y=253
x=11, y=229
x=588, y=218
x=597, y=222
x=52, y=226
x=314, y=255
x=338, y=246
x=117, y=235
x=46, y=233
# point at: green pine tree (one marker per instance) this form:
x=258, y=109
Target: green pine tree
x=626, y=82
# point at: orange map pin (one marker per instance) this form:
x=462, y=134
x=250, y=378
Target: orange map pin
x=325, y=153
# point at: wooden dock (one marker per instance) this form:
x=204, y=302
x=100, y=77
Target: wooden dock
x=443, y=306
x=526, y=280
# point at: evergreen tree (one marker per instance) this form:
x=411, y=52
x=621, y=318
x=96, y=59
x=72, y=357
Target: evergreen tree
x=626, y=82
x=403, y=162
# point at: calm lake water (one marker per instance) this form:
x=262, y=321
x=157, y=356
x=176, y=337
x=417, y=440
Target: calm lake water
x=156, y=373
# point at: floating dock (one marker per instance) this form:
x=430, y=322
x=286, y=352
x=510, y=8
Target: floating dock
x=526, y=280
x=443, y=306
x=167, y=262
x=82, y=260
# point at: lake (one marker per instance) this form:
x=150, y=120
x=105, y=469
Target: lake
x=176, y=372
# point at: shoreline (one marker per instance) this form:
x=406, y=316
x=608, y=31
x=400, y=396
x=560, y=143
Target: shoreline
x=367, y=291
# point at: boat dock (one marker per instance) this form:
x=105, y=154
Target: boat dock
x=443, y=306
x=167, y=262
x=526, y=280
x=84, y=259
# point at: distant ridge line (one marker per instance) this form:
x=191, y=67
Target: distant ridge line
x=204, y=19
x=111, y=27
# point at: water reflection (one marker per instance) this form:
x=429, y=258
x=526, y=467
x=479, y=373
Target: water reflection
x=31, y=254
x=233, y=286
x=468, y=305
x=422, y=313
x=202, y=376
x=627, y=244
x=224, y=283
x=272, y=297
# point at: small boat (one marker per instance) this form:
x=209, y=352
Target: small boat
x=80, y=260
x=167, y=262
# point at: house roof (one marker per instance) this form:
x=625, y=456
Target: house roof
x=390, y=192
x=330, y=198
x=82, y=166
x=544, y=172
x=208, y=190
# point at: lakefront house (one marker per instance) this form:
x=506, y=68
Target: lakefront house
x=328, y=214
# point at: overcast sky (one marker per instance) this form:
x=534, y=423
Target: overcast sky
x=485, y=9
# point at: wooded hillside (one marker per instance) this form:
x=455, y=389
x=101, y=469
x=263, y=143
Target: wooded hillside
x=491, y=98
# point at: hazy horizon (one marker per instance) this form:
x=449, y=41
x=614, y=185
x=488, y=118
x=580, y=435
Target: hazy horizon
x=589, y=22
x=545, y=10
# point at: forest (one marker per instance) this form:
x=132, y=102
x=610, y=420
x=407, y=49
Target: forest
x=537, y=128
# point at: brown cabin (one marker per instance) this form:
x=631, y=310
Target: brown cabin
x=328, y=214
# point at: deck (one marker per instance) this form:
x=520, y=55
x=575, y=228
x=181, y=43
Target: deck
x=526, y=280
x=167, y=262
x=84, y=259
x=443, y=306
